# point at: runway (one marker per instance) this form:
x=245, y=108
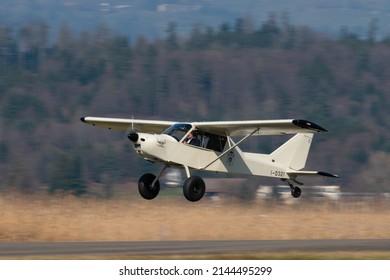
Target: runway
x=25, y=249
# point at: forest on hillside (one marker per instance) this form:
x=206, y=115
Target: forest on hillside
x=237, y=71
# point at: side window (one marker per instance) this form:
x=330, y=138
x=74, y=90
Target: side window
x=212, y=141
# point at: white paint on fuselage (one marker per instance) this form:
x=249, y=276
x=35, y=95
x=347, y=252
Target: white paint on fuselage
x=164, y=148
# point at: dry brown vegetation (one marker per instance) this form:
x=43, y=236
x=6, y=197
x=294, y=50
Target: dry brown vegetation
x=41, y=218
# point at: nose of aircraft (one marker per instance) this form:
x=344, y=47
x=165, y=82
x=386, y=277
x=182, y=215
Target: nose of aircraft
x=133, y=136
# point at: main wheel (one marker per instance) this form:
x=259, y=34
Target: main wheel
x=296, y=192
x=194, y=188
x=145, y=188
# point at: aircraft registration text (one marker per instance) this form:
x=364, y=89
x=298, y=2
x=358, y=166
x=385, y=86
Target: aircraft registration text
x=277, y=173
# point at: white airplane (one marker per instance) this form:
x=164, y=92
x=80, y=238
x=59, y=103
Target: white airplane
x=213, y=149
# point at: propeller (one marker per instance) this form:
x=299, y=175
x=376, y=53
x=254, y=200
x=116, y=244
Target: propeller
x=132, y=134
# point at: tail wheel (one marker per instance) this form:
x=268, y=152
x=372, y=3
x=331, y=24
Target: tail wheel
x=145, y=188
x=194, y=188
x=296, y=192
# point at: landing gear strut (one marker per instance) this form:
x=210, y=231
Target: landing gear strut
x=295, y=191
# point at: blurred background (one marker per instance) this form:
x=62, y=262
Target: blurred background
x=325, y=61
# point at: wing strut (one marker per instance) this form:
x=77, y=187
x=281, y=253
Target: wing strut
x=232, y=147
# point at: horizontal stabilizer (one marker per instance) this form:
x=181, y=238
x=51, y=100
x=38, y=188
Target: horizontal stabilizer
x=311, y=173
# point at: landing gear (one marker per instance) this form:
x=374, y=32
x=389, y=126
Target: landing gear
x=295, y=191
x=146, y=188
x=194, y=188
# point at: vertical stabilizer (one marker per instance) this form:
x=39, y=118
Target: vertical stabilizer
x=294, y=152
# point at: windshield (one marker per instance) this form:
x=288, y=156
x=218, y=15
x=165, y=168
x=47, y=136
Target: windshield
x=178, y=130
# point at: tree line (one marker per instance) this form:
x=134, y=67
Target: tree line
x=235, y=71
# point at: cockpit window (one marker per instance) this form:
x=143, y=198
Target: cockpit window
x=178, y=130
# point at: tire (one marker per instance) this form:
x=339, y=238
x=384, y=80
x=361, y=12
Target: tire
x=145, y=186
x=194, y=188
x=296, y=192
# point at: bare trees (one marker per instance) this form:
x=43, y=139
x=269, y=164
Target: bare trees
x=237, y=71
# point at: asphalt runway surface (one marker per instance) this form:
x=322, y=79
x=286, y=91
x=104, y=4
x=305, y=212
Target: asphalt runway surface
x=25, y=249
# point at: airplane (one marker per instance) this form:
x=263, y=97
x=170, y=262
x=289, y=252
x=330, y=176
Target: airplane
x=165, y=142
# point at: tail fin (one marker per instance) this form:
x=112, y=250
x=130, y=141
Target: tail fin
x=294, y=152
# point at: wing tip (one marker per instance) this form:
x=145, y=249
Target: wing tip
x=308, y=125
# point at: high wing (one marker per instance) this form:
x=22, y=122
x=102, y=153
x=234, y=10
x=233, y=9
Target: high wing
x=259, y=127
x=148, y=126
x=226, y=128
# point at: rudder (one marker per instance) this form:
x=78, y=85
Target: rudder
x=294, y=152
